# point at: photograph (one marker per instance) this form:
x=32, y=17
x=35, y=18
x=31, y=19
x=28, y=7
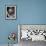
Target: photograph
x=10, y=12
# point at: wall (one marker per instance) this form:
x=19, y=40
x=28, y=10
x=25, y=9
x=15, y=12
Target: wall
x=33, y=12
x=28, y=12
x=33, y=27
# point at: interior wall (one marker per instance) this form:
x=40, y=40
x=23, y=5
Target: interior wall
x=28, y=12
x=33, y=27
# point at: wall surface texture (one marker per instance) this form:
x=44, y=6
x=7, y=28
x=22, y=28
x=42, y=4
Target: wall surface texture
x=28, y=12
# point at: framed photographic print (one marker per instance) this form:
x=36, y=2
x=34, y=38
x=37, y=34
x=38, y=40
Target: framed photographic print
x=10, y=12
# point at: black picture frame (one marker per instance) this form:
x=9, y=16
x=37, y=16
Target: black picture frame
x=11, y=16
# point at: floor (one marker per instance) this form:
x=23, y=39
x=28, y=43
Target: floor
x=7, y=45
x=30, y=43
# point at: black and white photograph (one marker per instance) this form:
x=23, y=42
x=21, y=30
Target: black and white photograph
x=29, y=34
x=10, y=12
